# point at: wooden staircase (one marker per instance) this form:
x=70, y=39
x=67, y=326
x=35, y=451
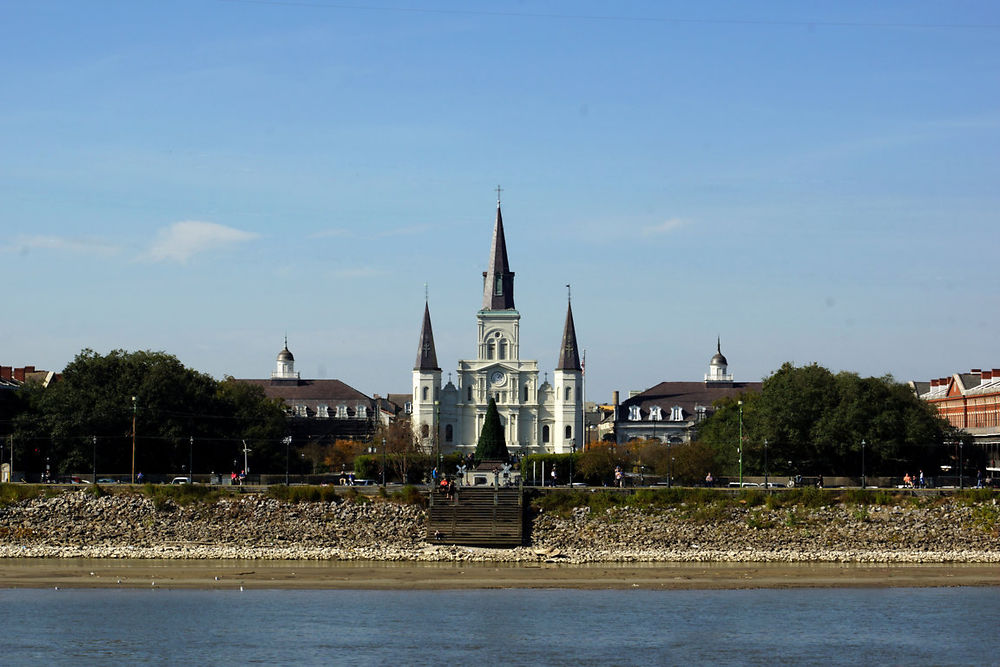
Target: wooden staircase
x=478, y=517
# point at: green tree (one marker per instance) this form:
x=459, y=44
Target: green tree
x=491, y=445
x=814, y=422
x=172, y=404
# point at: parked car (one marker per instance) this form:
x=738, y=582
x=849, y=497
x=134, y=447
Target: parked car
x=181, y=480
x=107, y=480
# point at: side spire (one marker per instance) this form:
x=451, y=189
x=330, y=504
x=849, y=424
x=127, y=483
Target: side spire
x=498, y=279
x=569, y=353
x=426, y=354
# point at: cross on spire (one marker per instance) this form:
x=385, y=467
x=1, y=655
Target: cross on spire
x=499, y=190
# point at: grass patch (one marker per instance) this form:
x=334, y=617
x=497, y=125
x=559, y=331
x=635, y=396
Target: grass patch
x=304, y=494
x=975, y=496
x=15, y=493
x=759, y=520
x=986, y=517
x=181, y=494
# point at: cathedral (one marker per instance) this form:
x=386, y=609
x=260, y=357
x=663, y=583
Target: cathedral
x=537, y=417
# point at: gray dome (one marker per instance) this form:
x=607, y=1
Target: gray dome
x=285, y=355
x=718, y=359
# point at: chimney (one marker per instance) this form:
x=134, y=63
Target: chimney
x=976, y=370
x=986, y=375
x=996, y=372
x=6, y=373
x=19, y=374
x=934, y=383
x=614, y=398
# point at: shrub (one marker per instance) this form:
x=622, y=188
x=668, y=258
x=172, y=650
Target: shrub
x=410, y=495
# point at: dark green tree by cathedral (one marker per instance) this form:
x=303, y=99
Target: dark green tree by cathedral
x=491, y=445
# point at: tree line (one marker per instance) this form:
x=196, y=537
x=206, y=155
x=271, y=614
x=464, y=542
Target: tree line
x=805, y=420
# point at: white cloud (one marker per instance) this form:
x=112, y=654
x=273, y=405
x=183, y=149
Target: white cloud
x=182, y=240
x=664, y=227
x=24, y=245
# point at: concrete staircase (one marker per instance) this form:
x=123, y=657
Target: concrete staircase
x=477, y=516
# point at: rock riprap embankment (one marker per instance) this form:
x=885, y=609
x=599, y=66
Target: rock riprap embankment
x=251, y=526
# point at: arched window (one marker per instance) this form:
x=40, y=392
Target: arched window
x=502, y=349
x=525, y=393
x=448, y=433
x=489, y=350
x=498, y=288
x=545, y=433
x=469, y=393
x=425, y=430
x=569, y=432
x=426, y=389
x=569, y=393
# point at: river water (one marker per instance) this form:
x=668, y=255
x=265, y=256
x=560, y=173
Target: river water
x=914, y=626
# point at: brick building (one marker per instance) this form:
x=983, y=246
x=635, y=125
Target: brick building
x=970, y=402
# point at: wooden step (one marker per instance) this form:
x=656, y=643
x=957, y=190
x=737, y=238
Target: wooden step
x=477, y=517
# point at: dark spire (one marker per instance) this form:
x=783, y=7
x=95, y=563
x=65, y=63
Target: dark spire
x=498, y=279
x=426, y=355
x=569, y=355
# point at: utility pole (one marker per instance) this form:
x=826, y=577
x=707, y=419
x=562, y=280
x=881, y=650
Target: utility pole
x=383, y=463
x=191, y=459
x=94, y=441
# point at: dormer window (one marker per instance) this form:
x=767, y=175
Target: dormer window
x=341, y=412
x=323, y=411
x=299, y=410
x=634, y=413
x=408, y=407
x=655, y=413
x=361, y=412
x=498, y=288
x=677, y=414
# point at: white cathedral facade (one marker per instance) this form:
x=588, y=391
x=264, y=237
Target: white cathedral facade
x=537, y=417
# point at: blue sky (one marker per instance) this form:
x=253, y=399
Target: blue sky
x=811, y=181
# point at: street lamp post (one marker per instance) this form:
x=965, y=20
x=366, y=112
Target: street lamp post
x=383, y=463
x=670, y=464
x=961, y=466
x=766, y=485
x=572, y=455
x=135, y=409
x=288, y=441
x=94, y=443
x=864, y=482
x=191, y=458
x=740, y=448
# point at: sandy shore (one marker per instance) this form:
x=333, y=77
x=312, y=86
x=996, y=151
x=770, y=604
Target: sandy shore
x=289, y=575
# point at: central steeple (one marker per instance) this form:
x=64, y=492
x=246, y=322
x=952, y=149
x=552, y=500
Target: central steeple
x=498, y=279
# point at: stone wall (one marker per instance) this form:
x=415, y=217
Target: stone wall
x=131, y=525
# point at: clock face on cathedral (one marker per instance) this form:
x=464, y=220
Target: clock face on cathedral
x=497, y=378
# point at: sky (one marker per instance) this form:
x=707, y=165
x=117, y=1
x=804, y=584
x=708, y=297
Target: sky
x=808, y=181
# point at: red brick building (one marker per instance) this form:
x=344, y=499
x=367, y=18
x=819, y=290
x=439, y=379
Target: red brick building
x=971, y=402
